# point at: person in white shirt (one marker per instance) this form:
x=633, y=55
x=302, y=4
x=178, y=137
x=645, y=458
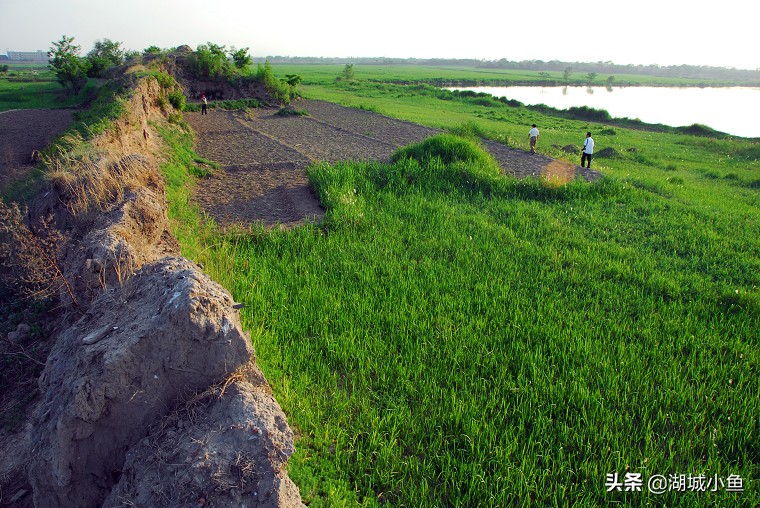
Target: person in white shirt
x=588, y=150
x=533, y=135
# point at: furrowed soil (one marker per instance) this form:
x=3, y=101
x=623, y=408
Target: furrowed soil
x=23, y=132
x=264, y=158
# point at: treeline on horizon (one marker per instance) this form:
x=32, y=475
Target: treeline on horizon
x=671, y=71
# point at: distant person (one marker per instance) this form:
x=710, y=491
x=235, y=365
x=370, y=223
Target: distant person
x=588, y=150
x=533, y=135
x=204, y=104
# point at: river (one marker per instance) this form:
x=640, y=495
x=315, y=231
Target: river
x=735, y=110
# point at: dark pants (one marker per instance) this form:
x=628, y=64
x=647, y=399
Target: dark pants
x=203, y=109
x=584, y=157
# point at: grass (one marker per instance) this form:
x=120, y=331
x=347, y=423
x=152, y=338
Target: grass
x=441, y=75
x=451, y=337
x=28, y=90
x=448, y=336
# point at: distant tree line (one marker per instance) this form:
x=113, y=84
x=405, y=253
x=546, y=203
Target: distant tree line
x=671, y=71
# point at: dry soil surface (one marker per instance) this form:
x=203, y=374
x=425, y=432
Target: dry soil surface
x=22, y=131
x=264, y=157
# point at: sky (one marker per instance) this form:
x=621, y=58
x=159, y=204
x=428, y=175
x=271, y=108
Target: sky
x=663, y=32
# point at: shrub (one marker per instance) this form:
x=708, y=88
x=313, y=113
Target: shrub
x=165, y=80
x=209, y=61
x=277, y=89
x=469, y=130
x=449, y=148
x=291, y=111
x=177, y=100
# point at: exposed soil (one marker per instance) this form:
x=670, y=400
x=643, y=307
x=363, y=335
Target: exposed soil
x=264, y=157
x=24, y=131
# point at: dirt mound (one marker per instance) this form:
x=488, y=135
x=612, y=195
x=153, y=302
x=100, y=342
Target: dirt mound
x=165, y=334
x=226, y=448
x=146, y=332
x=607, y=153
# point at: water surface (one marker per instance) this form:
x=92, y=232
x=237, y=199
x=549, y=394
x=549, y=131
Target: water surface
x=734, y=110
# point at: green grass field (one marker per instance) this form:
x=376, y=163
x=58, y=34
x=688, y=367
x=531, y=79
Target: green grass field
x=452, y=337
x=27, y=89
x=324, y=74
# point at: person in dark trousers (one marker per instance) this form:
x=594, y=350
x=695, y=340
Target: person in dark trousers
x=204, y=104
x=533, y=136
x=588, y=150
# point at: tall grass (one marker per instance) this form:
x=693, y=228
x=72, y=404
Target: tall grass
x=452, y=337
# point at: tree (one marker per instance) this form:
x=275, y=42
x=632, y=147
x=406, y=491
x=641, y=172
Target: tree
x=3, y=69
x=210, y=61
x=348, y=72
x=591, y=76
x=70, y=69
x=104, y=54
x=566, y=74
x=241, y=57
x=152, y=50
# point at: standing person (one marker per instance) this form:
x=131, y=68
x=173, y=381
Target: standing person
x=588, y=150
x=533, y=135
x=204, y=104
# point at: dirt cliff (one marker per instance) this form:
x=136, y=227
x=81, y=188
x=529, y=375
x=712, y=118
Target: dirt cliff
x=150, y=395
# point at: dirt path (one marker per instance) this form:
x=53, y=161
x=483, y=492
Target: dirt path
x=264, y=156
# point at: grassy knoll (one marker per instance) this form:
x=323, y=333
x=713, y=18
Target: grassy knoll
x=451, y=337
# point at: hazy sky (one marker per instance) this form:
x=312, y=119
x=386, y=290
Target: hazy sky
x=664, y=32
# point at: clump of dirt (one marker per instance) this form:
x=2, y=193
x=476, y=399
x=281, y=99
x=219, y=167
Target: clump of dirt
x=168, y=332
x=237, y=463
x=607, y=153
x=145, y=330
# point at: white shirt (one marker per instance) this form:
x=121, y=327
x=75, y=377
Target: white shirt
x=588, y=145
x=533, y=132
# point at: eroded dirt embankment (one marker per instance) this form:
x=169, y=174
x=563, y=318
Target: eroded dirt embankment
x=150, y=396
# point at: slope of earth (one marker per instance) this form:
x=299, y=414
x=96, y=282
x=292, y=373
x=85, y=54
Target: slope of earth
x=264, y=157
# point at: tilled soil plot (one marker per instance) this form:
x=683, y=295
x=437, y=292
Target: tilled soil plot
x=24, y=131
x=264, y=157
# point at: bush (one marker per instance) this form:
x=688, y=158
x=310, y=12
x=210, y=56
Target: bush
x=277, y=89
x=469, y=130
x=209, y=61
x=291, y=111
x=449, y=148
x=177, y=100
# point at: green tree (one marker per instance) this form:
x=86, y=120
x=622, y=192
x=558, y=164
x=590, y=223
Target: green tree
x=210, y=61
x=566, y=74
x=293, y=79
x=152, y=50
x=241, y=57
x=70, y=69
x=348, y=72
x=591, y=76
x=3, y=69
x=104, y=54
